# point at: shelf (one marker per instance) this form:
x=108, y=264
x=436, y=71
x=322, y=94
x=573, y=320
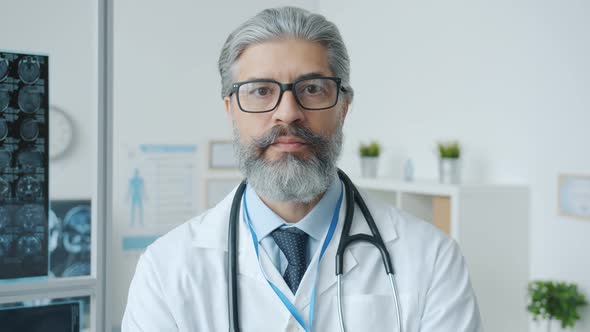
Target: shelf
x=489, y=222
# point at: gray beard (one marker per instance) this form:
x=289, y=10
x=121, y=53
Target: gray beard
x=290, y=178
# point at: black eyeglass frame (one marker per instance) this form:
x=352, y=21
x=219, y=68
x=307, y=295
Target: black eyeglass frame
x=286, y=87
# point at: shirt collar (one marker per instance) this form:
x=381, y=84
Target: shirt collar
x=315, y=223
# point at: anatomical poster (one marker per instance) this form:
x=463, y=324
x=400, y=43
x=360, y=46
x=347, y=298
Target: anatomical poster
x=24, y=103
x=160, y=191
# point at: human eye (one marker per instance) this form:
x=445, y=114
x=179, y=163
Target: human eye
x=312, y=88
x=261, y=89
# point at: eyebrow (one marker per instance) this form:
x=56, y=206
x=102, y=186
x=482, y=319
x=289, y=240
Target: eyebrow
x=300, y=77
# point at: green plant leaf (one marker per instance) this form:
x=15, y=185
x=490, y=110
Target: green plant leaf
x=370, y=150
x=449, y=149
x=555, y=300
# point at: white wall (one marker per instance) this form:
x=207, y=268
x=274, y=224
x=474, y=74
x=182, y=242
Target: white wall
x=66, y=30
x=167, y=90
x=509, y=79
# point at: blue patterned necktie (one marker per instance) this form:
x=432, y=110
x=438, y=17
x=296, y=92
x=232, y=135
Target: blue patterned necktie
x=293, y=243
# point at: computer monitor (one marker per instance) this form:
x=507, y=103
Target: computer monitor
x=62, y=317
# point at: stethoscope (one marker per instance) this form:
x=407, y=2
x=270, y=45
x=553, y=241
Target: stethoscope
x=352, y=196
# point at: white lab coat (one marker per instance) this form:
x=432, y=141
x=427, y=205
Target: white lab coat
x=181, y=280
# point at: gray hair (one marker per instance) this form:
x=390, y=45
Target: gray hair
x=286, y=22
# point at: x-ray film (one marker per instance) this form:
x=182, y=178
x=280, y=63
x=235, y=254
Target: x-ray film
x=63, y=317
x=70, y=238
x=24, y=105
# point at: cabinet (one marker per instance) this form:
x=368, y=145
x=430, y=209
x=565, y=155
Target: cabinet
x=491, y=225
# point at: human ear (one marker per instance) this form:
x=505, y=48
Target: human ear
x=227, y=102
x=345, y=108
x=228, y=110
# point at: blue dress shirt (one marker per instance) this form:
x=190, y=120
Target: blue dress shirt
x=315, y=223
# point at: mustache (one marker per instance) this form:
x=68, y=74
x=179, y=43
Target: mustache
x=297, y=130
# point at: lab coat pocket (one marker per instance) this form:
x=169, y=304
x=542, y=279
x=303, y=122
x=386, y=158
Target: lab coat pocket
x=369, y=313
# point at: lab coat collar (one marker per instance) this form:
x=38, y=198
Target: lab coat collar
x=211, y=232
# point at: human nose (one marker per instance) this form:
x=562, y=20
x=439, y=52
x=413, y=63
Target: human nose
x=288, y=110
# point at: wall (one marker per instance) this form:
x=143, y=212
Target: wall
x=508, y=79
x=167, y=90
x=71, y=41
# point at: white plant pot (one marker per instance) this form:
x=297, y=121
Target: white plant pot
x=369, y=167
x=449, y=170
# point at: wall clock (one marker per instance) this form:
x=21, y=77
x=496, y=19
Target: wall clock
x=61, y=133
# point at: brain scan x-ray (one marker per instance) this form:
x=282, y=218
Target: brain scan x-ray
x=28, y=245
x=4, y=100
x=29, y=130
x=28, y=188
x=3, y=130
x=29, y=69
x=30, y=217
x=70, y=238
x=5, y=158
x=5, y=218
x=3, y=69
x=30, y=99
x=4, y=189
x=29, y=160
x=24, y=203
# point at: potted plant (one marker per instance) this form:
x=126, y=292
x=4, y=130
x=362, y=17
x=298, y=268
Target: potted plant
x=369, y=159
x=552, y=300
x=449, y=162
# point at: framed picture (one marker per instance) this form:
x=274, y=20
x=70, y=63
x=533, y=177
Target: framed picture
x=574, y=196
x=217, y=188
x=221, y=155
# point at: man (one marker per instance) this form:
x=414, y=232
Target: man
x=285, y=84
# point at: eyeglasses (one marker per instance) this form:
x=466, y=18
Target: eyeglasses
x=263, y=95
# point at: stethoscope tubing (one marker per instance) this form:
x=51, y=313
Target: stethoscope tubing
x=352, y=196
x=232, y=292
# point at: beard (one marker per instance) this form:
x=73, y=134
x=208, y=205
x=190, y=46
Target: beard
x=292, y=177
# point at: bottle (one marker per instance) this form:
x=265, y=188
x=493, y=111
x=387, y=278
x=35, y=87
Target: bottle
x=408, y=170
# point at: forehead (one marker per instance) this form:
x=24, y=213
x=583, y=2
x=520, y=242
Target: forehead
x=283, y=60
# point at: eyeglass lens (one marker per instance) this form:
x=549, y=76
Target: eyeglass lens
x=317, y=93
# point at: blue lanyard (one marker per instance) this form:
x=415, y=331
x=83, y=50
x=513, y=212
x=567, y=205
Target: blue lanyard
x=290, y=306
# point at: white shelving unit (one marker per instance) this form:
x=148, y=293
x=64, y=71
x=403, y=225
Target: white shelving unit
x=490, y=223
